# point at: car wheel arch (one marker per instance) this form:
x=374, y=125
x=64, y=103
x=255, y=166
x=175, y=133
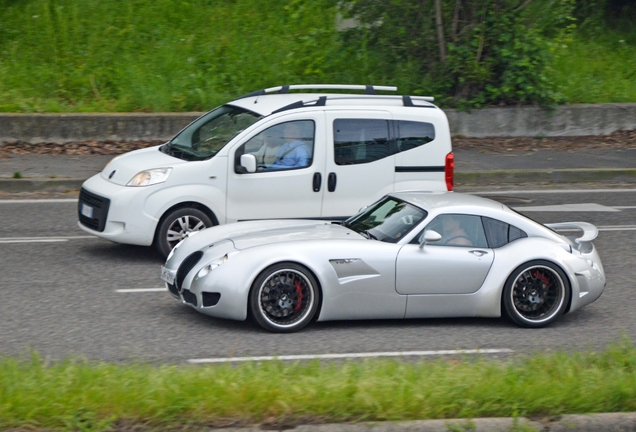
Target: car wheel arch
x=566, y=272
x=188, y=204
x=535, y=261
x=171, y=210
x=269, y=265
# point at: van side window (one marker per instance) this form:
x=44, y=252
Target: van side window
x=500, y=233
x=412, y=134
x=285, y=146
x=358, y=141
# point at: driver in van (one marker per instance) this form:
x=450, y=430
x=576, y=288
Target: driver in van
x=294, y=153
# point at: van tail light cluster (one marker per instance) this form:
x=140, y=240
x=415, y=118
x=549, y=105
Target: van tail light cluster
x=449, y=171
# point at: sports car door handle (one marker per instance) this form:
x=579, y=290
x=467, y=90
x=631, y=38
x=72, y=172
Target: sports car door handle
x=331, y=182
x=478, y=252
x=317, y=182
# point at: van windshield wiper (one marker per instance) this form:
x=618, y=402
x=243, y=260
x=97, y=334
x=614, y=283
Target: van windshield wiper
x=182, y=152
x=367, y=234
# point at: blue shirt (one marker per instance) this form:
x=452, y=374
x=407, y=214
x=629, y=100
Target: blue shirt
x=293, y=154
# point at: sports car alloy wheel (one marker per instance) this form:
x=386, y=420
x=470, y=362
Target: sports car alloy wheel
x=284, y=298
x=536, y=294
x=176, y=225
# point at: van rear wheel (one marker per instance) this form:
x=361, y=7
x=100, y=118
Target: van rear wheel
x=176, y=225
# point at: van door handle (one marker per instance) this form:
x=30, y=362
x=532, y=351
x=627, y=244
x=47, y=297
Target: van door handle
x=317, y=182
x=478, y=252
x=331, y=182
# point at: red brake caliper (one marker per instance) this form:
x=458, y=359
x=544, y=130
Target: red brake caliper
x=299, y=300
x=542, y=277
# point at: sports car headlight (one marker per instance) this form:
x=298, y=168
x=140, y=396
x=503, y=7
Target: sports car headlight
x=150, y=177
x=211, y=266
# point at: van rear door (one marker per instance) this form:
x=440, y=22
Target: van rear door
x=360, y=160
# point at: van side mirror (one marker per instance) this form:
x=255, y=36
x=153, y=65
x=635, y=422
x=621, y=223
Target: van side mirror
x=430, y=236
x=248, y=161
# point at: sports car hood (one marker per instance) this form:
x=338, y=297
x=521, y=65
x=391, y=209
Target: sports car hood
x=311, y=231
x=250, y=234
x=126, y=166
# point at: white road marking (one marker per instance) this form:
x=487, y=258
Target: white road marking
x=617, y=228
x=38, y=201
x=549, y=191
x=625, y=207
x=584, y=207
x=141, y=290
x=350, y=355
x=42, y=239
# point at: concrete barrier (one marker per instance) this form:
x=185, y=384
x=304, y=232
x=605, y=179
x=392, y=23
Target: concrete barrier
x=61, y=128
x=568, y=120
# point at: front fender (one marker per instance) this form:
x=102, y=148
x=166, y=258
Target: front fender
x=159, y=202
x=371, y=295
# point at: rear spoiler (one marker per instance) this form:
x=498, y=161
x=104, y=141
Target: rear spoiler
x=590, y=232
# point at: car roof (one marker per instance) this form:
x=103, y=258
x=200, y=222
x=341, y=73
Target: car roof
x=429, y=200
x=267, y=104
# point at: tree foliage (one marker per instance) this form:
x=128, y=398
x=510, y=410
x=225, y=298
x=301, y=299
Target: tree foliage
x=469, y=52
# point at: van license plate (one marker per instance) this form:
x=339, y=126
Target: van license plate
x=87, y=211
x=168, y=275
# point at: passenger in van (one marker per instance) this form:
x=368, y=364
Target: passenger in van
x=453, y=233
x=294, y=153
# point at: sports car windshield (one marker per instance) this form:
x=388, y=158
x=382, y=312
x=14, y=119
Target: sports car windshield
x=207, y=135
x=388, y=220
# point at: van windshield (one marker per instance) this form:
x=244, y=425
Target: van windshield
x=207, y=135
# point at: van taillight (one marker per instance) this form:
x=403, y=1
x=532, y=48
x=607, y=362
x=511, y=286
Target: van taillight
x=449, y=170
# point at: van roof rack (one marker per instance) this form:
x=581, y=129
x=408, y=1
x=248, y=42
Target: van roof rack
x=368, y=89
x=322, y=101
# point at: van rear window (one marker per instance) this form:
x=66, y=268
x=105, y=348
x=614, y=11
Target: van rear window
x=359, y=141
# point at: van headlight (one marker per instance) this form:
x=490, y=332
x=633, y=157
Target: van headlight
x=211, y=266
x=150, y=177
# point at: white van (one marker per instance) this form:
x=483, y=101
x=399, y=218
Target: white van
x=271, y=154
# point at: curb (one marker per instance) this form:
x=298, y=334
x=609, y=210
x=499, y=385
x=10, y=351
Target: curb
x=39, y=184
x=577, y=422
x=578, y=175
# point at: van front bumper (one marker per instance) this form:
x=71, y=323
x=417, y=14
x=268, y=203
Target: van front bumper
x=115, y=212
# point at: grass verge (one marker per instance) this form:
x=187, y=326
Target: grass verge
x=142, y=55
x=80, y=395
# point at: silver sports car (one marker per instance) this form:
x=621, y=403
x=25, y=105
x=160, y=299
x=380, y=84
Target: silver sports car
x=408, y=255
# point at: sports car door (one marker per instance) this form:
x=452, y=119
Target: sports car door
x=457, y=264
x=360, y=161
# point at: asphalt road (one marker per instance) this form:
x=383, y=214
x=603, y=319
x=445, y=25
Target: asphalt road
x=60, y=296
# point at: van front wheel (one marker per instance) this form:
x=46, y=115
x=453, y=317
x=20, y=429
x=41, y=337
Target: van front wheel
x=176, y=225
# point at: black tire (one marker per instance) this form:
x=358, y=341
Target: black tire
x=536, y=294
x=284, y=298
x=176, y=224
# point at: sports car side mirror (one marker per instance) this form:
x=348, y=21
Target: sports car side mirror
x=429, y=236
x=248, y=161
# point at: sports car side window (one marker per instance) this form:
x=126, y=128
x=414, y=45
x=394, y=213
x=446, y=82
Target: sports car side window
x=458, y=230
x=500, y=233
